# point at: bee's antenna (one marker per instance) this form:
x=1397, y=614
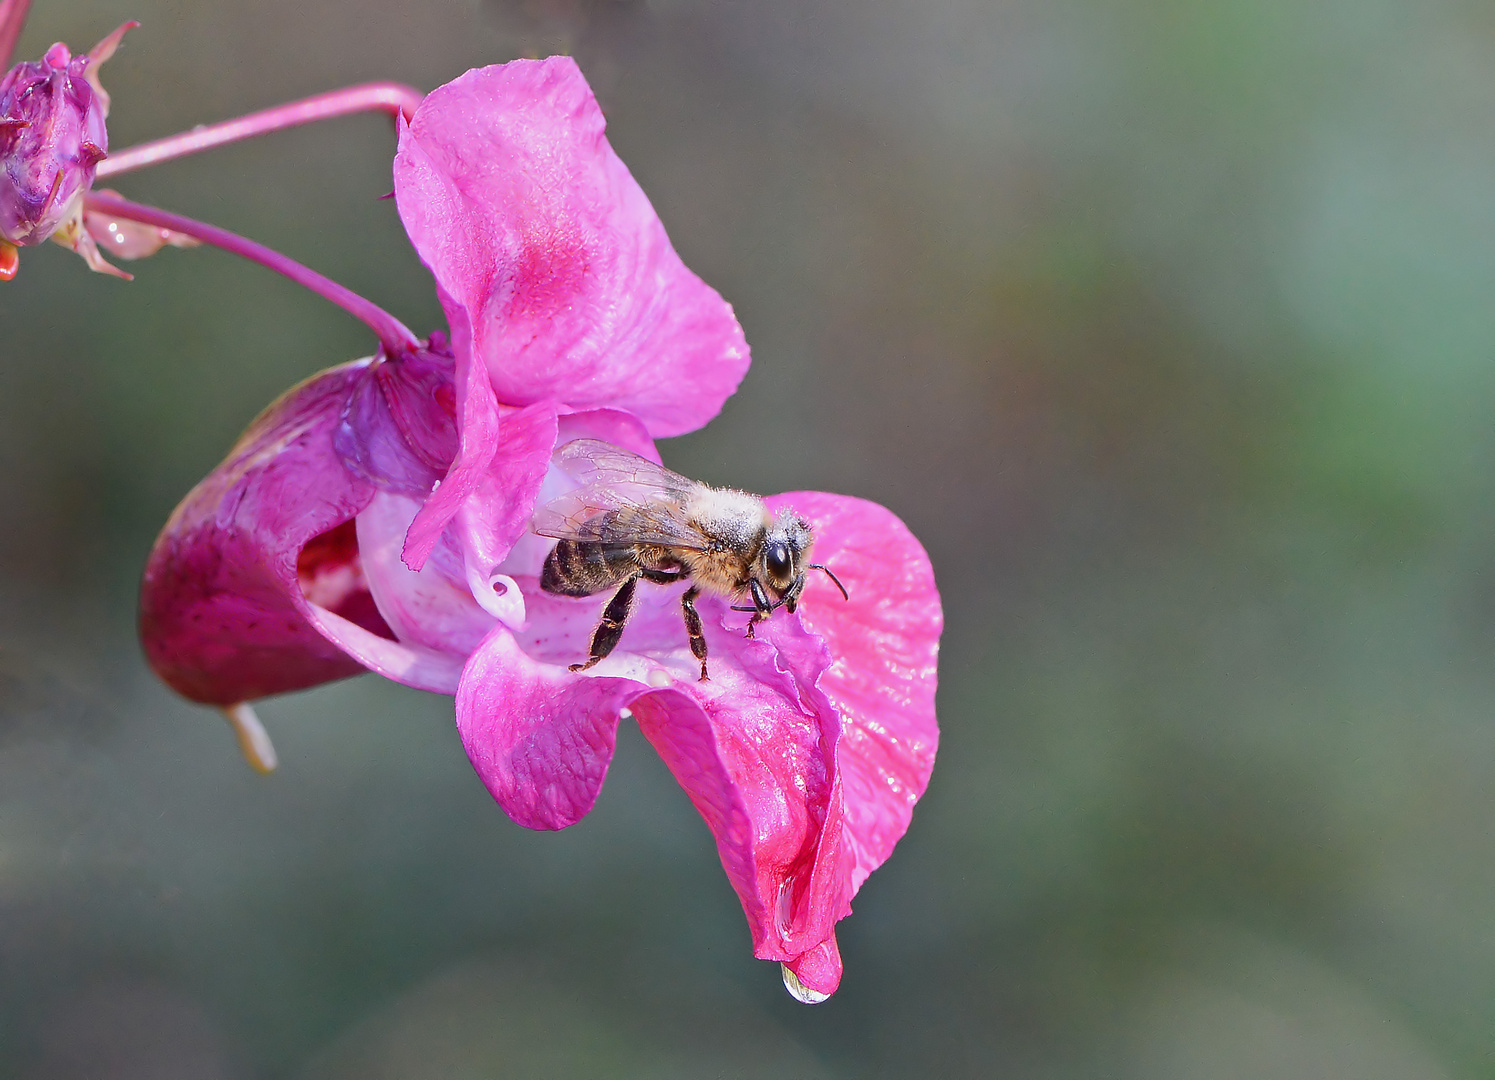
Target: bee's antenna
x=844, y=594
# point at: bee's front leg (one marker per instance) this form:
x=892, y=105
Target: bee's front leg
x=694, y=629
x=762, y=606
x=610, y=629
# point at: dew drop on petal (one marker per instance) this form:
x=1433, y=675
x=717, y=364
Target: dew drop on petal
x=799, y=990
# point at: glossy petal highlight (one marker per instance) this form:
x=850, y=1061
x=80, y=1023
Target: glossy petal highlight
x=885, y=644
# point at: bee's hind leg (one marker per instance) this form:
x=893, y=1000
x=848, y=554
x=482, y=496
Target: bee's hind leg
x=694, y=629
x=610, y=629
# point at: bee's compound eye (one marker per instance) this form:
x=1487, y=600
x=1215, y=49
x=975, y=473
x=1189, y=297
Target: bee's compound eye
x=778, y=560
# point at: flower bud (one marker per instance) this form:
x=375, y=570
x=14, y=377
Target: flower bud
x=52, y=138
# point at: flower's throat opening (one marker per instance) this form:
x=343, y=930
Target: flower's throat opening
x=331, y=577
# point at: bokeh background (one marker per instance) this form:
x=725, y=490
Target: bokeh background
x=1169, y=327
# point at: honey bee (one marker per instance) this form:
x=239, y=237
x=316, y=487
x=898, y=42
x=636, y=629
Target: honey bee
x=632, y=519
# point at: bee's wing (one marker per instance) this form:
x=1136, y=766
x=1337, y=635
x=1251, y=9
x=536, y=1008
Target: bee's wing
x=592, y=461
x=614, y=479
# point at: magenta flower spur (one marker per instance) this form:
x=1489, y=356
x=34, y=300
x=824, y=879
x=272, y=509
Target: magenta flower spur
x=380, y=516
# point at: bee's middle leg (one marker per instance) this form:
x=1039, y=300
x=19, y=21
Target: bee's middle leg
x=610, y=629
x=694, y=629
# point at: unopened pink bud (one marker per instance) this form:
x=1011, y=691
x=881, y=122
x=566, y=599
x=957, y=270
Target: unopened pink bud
x=52, y=138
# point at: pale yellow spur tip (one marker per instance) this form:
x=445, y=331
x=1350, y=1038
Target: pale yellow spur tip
x=254, y=740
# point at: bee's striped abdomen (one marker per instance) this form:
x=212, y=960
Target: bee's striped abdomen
x=583, y=568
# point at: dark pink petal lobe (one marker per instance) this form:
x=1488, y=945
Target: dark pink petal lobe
x=537, y=231
x=222, y=614
x=399, y=427
x=884, y=645
x=540, y=737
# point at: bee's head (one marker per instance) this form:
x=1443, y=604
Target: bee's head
x=781, y=564
x=786, y=546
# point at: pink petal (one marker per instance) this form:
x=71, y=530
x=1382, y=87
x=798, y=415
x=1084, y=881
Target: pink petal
x=498, y=511
x=755, y=749
x=804, y=754
x=450, y=603
x=611, y=426
x=478, y=435
x=807, y=749
x=885, y=644
x=538, y=234
x=433, y=608
x=540, y=737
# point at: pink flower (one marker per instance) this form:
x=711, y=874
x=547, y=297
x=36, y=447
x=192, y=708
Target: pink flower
x=804, y=752
x=378, y=516
x=52, y=138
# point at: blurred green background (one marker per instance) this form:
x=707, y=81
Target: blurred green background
x=1170, y=329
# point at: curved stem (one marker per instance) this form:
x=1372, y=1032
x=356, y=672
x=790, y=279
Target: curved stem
x=12, y=19
x=393, y=334
x=396, y=99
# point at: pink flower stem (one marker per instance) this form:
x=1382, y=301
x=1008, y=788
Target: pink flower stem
x=12, y=19
x=387, y=97
x=392, y=333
